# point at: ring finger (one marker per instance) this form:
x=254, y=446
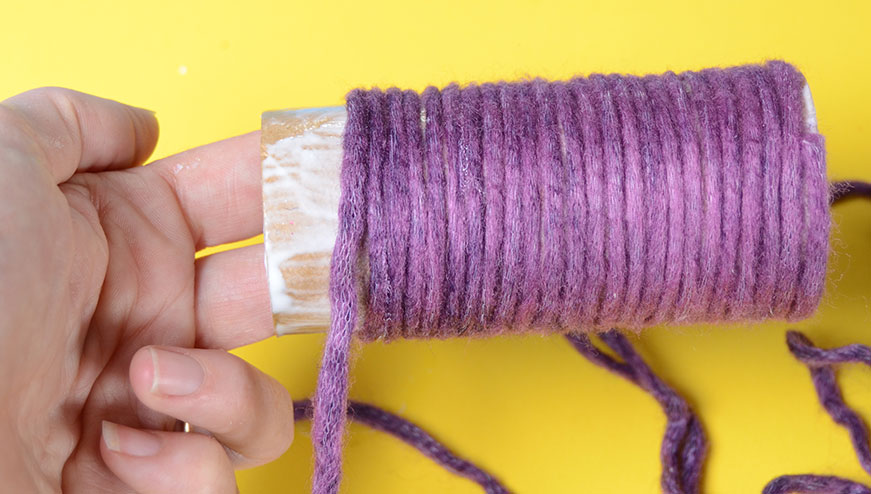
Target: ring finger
x=153, y=462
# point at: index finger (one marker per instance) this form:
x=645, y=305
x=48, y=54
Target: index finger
x=74, y=132
x=218, y=188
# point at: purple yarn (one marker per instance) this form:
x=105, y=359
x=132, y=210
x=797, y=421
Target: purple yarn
x=512, y=239
x=414, y=436
x=656, y=215
x=633, y=196
x=769, y=245
x=690, y=192
x=472, y=187
x=332, y=397
x=792, y=220
x=531, y=199
x=553, y=178
x=494, y=183
x=751, y=194
x=842, y=191
x=706, y=119
x=379, y=283
x=415, y=295
x=814, y=484
x=592, y=245
x=457, y=234
x=821, y=364
x=684, y=446
x=669, y=182
x=616, y=249
x=436, y=234
x=608, y=201
x=723, y=97
x=397, y=206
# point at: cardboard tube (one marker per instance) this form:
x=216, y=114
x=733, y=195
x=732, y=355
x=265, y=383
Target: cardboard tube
x=302, y=160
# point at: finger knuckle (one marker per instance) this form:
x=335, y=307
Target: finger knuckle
x=45, y=92
x=281, y=409
x=238, y=414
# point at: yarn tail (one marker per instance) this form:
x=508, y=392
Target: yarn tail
x=332, y=393
x=414, y=436
x=821, y=364
x=684, y=446
x=848, y=189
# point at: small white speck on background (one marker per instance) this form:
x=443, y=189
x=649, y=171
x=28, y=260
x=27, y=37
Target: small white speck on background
x=182, y=70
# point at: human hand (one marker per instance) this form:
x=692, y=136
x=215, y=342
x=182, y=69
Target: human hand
x=106, y=316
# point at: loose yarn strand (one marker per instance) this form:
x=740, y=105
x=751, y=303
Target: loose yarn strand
x=332, y=394
x=821, y=364
x=414, y=436
x=684, y=445
x=849, y=189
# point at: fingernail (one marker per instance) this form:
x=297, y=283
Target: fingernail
x=175, y=374
x=129, y=441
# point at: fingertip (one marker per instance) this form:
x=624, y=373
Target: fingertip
x=142, y=371
x=109, y=435
x=166, y=462
x=147, y=130
x=130, y=441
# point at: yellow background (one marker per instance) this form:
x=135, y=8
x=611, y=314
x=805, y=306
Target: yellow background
x=527, y=408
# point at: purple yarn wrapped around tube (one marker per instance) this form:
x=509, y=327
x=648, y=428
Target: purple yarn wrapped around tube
x=576, y=206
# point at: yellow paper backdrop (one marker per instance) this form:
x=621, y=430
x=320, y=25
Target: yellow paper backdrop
x=529, y=409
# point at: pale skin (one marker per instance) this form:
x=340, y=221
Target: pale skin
x=110, y=331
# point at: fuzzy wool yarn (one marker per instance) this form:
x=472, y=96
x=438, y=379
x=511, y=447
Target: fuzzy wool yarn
x=821, y=363
x=569, y=208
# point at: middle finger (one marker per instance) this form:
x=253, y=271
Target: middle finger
x=232, y=299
